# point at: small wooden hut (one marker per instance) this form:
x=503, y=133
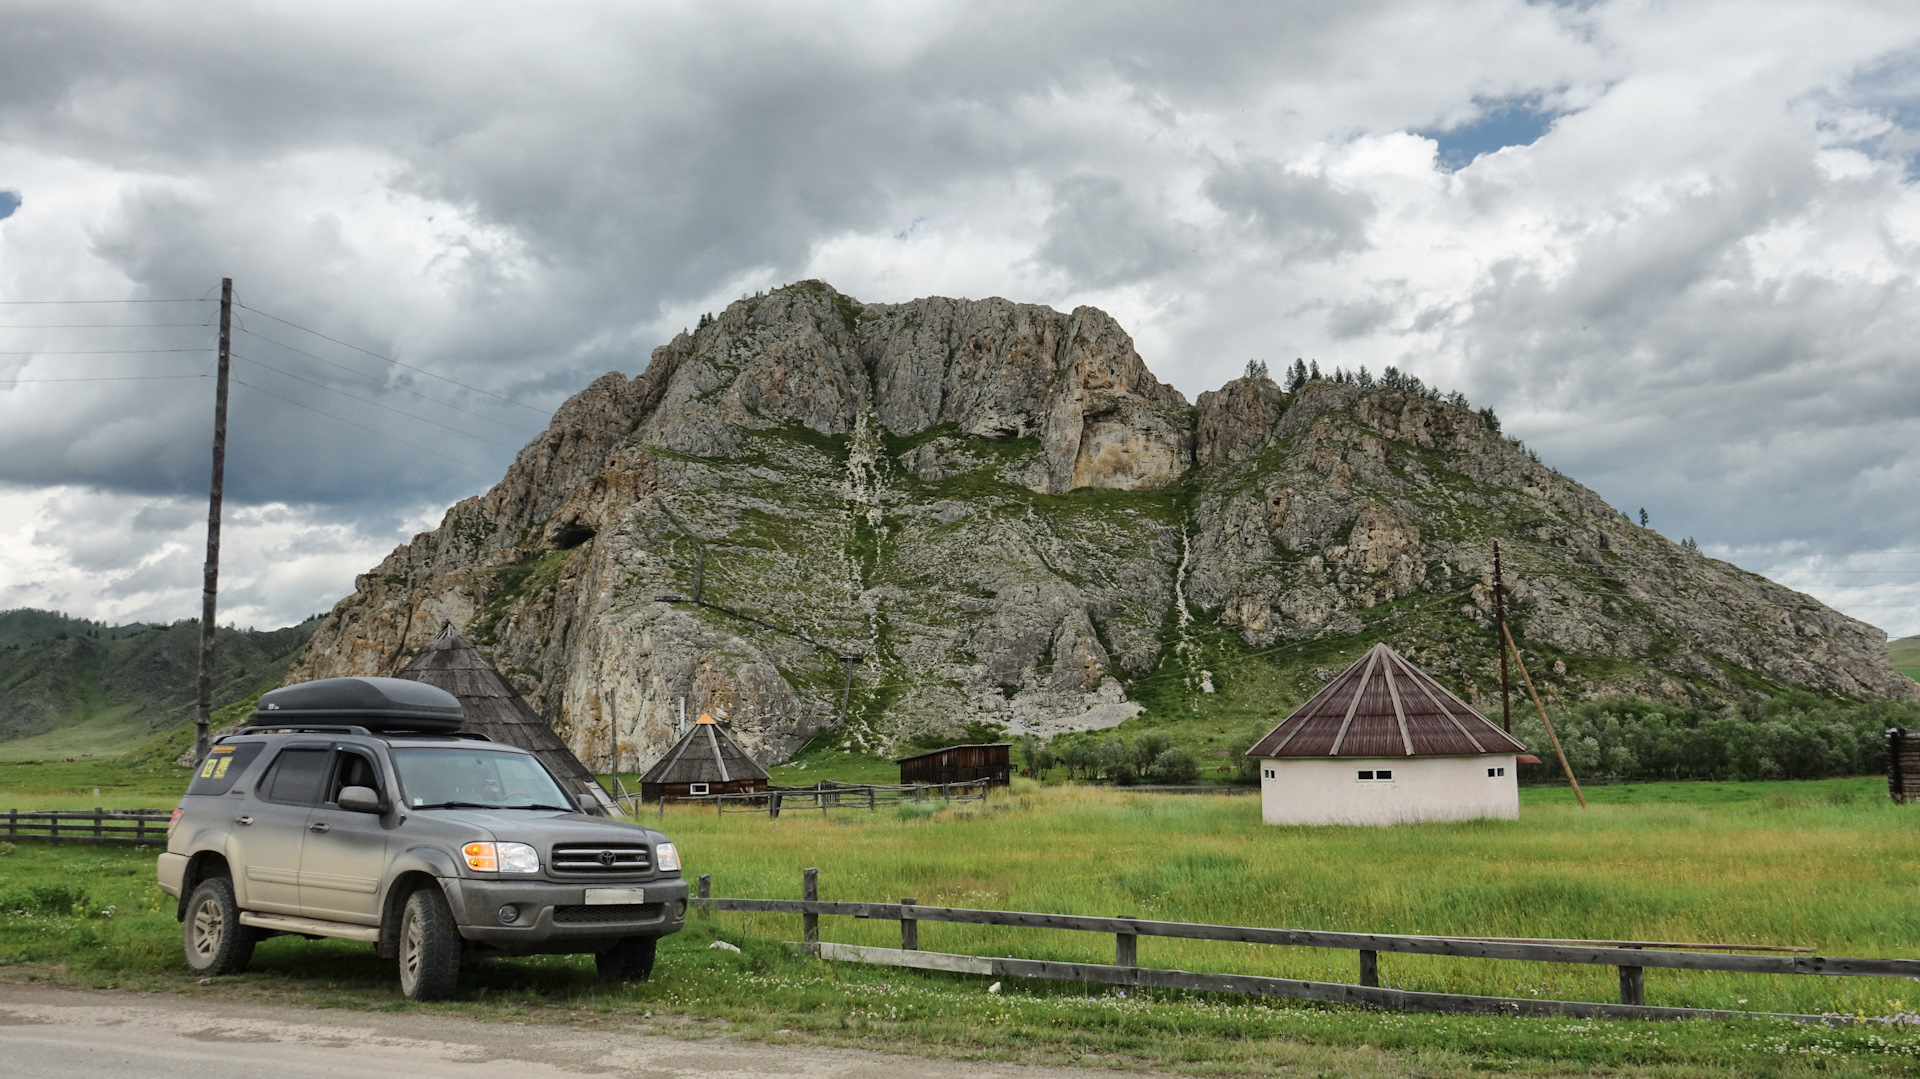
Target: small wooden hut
x=494, y=708
x=1384, y=743
x=704, y=761
x=992, y=762
x=1903, y=765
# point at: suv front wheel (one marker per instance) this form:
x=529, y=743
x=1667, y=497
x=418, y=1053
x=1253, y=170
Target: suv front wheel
x=429, y=947
x=214, y=939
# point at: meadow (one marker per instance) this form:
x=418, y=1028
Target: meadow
x=1829, y=864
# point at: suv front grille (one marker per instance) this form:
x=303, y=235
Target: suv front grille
x=607, y=915
x=600, y=859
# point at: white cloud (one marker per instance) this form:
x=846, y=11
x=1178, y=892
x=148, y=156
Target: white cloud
x=1693, y=291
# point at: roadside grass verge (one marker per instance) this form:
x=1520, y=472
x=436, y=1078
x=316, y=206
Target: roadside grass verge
x=1823, y=864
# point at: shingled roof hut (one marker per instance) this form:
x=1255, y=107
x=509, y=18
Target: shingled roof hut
x=704, y=761
x=494, y=708
x=1385, y=743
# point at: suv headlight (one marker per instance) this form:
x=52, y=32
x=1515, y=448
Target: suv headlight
x=666, y=859
x=502, y=858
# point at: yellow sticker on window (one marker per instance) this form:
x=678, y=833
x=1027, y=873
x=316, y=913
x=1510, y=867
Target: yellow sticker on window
x=206, y=770
x=223, y=749
x=221, y=772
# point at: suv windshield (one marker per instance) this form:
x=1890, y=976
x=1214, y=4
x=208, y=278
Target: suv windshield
x=475, y=778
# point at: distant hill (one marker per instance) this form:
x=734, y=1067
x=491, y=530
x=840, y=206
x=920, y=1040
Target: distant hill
x=1903, y=655
x=70, y=687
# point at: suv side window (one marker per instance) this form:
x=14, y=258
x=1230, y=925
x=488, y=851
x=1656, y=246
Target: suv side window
x=223, y=767
x=298, y=775
x=355, y=769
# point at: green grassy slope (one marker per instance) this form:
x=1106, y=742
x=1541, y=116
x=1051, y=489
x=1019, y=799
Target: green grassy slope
x=73, y=694
x=1903, y=655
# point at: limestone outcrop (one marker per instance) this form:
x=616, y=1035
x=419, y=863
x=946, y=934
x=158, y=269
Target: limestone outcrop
x=813, y=517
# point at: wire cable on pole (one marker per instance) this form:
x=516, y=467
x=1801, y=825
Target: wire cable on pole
x=363, y=427
x=383, y=383
x=375, y=404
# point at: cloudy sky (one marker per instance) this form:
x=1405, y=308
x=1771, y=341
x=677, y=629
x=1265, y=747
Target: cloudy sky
x=1674, y=244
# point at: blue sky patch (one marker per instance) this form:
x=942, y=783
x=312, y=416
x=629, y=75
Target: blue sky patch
x=1503, y=123
x=9, y=202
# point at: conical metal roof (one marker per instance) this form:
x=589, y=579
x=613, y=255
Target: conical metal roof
x=1384, y=706
x=705, y=754
x=494, y=708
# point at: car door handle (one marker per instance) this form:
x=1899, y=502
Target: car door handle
x=318, y=826
x=243, y=820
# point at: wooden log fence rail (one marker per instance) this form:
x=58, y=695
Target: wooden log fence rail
x=136, y=826
x=868, y=797
x=1631, y=958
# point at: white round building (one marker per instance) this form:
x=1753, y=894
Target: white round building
x=1384, y=743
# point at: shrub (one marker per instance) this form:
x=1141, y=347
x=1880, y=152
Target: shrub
x=44, y=899
x=1173, y=765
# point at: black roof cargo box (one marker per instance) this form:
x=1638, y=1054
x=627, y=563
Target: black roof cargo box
x=373, y=703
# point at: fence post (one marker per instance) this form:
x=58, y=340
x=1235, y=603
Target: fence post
x=909, y=927
x=97, y=831
x=810, y=891
x=870, y=799
x=140, y=829
x=1370, y=968
x=53, y=822
x=1633, y=985
x=719, y=800
x=1126, y=947
x=705, y=886
x=13, y=824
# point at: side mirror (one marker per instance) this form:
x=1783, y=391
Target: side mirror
x=588, y=803
x=359, y=799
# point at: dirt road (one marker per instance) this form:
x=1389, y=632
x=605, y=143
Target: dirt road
x=110, y=1034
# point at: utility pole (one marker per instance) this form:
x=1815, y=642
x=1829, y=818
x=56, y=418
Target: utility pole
x=210, y=589
x=1500, y=625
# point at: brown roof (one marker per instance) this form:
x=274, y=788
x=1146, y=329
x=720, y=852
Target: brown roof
x=705, y=754
x=494, y=708
x=1384, y=706
x=950, y=749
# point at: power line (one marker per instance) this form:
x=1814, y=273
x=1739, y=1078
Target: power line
x=115, y=378
x=106, y=352
x=383, y=383
x=363, y=427
x=391, y=360
x=18, y=303
x=375, y=404
x=102, y=325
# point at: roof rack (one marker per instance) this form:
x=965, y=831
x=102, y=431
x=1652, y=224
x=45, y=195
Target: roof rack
x=354, y=729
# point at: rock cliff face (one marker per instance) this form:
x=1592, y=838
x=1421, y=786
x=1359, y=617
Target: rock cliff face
x=872, y=520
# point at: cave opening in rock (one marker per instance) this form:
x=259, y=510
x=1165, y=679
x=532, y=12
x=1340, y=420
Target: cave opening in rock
x=569, y=536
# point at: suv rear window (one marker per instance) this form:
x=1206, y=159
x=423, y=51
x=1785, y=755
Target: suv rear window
x=223, y=766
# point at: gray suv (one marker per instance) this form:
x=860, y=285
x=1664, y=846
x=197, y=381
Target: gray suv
x=354, y=808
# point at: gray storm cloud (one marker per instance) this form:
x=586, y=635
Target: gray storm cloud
x=1692, y=289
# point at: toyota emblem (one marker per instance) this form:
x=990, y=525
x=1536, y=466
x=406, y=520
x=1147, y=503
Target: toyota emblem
x=606, y=857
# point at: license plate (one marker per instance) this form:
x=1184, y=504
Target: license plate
x=606, y=897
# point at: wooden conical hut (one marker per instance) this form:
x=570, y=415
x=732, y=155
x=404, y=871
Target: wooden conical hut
x=704, y=761
x=494, y=708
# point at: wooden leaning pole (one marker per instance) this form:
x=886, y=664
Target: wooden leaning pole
x=1557, y=751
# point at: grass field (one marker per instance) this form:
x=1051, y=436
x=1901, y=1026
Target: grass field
x=1903, y=655
x=1829, y=864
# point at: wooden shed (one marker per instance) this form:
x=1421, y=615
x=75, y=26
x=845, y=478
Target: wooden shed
x=1903, y=765
x=704, y=761
x=1385, y=743
x=494, y=708
x=992, y=762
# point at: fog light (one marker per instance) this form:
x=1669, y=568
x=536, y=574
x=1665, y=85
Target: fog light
x=509, y=914
x=679, y=908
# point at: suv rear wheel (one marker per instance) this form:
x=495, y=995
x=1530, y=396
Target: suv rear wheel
x=631, y=960
x=214, y=939
x=430, y=947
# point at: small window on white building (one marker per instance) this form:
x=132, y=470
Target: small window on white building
x=1374, y=775
x=696, y=788
x=1269, y=773
x=1496, y=773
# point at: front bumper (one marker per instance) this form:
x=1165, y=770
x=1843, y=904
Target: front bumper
x=556, y=917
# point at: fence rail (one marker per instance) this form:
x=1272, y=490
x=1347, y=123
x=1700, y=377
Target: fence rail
x=136, y=826
x=869, y=797
x=1630, y=957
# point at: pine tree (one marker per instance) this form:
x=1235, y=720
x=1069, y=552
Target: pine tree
x=1297, y=375
x=1643, y=516
x=1256, y=369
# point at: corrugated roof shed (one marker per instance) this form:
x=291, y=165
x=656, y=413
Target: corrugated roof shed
x=494, y=708
x=1384, y=706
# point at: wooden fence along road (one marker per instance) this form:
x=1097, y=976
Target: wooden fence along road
x=1631, y=957
x=869, y=797
x=135, y=826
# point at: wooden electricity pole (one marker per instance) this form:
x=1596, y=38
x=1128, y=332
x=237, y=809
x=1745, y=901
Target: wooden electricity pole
x=1555, y=738
x=1500, y=620
x=210, y=588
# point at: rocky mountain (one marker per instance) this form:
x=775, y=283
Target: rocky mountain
x=813, y=515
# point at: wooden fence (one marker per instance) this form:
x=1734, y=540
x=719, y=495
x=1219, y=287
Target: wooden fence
x=825, y=798
x=1630, y=957
x=137, y=826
